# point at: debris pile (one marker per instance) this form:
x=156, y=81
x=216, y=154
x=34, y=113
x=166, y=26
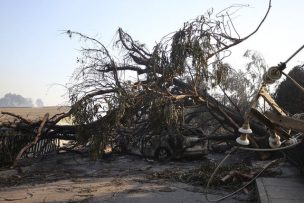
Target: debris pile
x=232, y=176
x=179, y=96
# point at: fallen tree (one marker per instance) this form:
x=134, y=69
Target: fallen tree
x=181, y=71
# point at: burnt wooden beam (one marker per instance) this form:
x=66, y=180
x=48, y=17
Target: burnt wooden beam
x=286, y=122
x=271, y=101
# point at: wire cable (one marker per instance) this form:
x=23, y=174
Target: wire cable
x=254, y=178
x=236, y=191
x=294, y=54
x=294, y=81
x=270, y=150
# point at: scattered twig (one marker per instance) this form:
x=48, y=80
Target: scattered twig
x=43, y=122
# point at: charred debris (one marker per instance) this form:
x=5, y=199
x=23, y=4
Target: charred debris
x=179, y=89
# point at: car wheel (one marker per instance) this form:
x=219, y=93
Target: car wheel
x=117, y=150
x=162, y=154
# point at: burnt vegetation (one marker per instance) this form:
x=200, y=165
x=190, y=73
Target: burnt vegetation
x=180, y=72
x=286, y=90
x=119, y=95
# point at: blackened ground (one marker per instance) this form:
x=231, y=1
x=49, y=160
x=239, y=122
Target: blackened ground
x=73, y=177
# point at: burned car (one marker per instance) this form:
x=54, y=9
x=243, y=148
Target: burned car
x=165, y=146
x=187, y=142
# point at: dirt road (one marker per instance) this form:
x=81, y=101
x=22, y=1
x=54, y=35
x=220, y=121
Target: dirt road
x=72, y=177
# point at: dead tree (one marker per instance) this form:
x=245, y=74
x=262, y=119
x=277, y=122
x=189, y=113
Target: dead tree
x=182, y=67
x=180, y=71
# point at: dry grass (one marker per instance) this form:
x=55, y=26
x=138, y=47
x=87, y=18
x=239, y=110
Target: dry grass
x=31, y=113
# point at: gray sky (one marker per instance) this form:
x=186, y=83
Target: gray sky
x=34, y=54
